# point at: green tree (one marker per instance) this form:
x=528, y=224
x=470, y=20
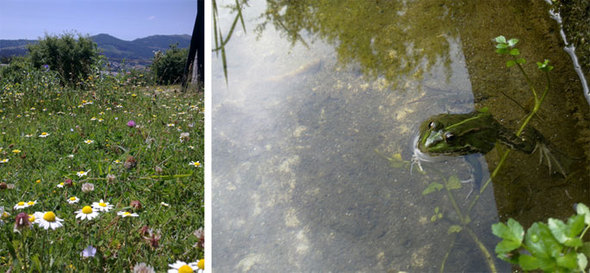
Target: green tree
x=73, y=59
x=168, y=67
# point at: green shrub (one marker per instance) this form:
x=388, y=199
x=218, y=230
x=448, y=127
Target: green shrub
x=169, y=66
x=73, y=59
x=16, y=71
x=25, y=82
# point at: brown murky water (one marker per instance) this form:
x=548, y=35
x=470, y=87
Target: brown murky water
x=312, y=134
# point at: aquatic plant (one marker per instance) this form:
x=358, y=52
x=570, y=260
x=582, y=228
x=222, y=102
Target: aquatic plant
x=554, y=246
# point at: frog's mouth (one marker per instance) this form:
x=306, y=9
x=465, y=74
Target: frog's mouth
x=433, y=138
x=419, y=155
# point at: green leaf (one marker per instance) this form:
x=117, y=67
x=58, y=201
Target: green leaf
x=514, y=52
x=529, y=262
x=567, y=233
x=453, y=183
x=544, y=66
x=501, y=46
x=520, y=61
x=512, y=42
x=506, y=246
x=512, y=235
x=454, y=229
x=36, y=262
x=502, y=50
x=500, y=39
x=582, y=209
x=541, y=243
x=582, y=262
x=432, y=188
x=569, y=260
x=510, y=63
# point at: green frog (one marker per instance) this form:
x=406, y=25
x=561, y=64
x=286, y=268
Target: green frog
x=473, y=133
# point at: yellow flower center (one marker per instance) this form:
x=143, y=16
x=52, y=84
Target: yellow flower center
x=127, y=213
x=87, y=210
x=102, y=204
x=21, y=203
x=31, y=218
x=30, y=203
x=72, y=198
x=49, y=216
x=185, y=269
x=201, y=264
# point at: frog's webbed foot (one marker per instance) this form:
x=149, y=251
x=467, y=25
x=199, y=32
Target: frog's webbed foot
x=545, y=153
x=415, y=160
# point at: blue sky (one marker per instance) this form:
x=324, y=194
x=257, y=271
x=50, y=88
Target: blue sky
x=124, y=19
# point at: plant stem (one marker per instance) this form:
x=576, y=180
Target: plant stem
x=528, y=80
x=442, y=266
x=455, y=206
x=484, y=250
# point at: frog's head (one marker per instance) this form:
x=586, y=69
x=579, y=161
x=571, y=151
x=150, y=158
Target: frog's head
x=457, y=134
x=434, y=139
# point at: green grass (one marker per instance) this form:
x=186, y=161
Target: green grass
x=169, y=189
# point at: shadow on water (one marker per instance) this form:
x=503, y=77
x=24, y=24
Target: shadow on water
x=313, y=133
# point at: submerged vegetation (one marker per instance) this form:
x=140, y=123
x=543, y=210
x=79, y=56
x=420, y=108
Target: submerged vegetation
x=101, y=172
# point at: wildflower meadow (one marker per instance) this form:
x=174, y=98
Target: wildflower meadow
x=104, y=176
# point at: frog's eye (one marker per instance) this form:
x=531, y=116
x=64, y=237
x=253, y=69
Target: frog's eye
x=449, y=136
x=432, y=125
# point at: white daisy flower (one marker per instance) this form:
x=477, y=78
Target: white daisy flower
x=32, y=203
x=86, y=213
x=102, y=206
x=73, y=200
x=21, y=205
x=182, y=267
x=127, y=214
x=4, y=160
x=89, y=141
x=196, y=164
x=47, y=220
x=60, y=185
x=82, y=173
x=44, y=134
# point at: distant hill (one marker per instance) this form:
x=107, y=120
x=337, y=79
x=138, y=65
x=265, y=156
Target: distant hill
x=139, y=51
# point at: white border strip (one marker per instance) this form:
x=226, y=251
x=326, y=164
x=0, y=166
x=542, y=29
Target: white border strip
x=208, y=205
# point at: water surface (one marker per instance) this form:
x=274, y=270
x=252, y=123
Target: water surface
x=312, y=137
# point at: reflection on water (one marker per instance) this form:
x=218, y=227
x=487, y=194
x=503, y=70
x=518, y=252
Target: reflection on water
x=311, y=157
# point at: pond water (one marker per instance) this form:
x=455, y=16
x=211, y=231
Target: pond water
x=314, y=128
